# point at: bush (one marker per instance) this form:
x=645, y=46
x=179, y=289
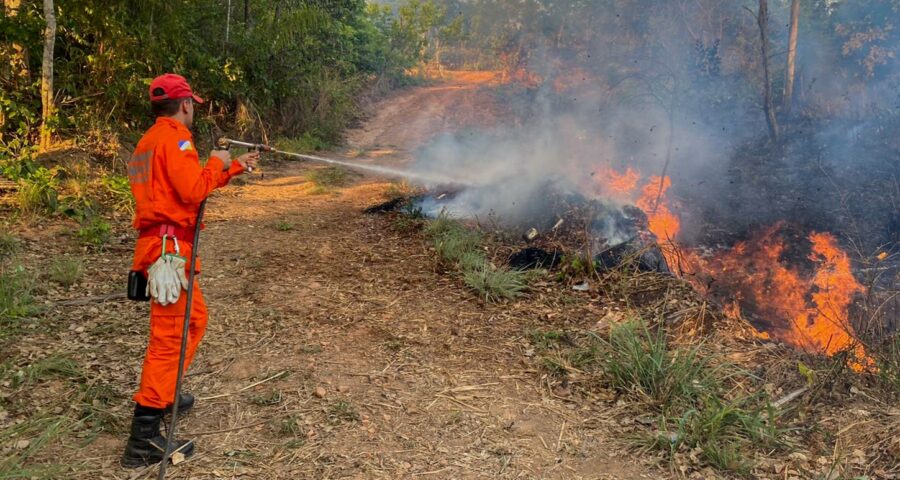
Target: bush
x=66, y=271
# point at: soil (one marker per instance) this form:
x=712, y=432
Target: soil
x=337, y=348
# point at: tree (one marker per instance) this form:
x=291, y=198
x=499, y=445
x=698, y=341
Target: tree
x=791, y=56
x=762, y=20
x=47, y=73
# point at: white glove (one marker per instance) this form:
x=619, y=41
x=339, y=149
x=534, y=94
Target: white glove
x=177, y=264
x=162, y=282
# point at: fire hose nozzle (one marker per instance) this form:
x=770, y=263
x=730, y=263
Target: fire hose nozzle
x=228, y=143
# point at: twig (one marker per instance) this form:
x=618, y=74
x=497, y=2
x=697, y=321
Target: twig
x=248, y=387
x=789, y=397
x=562, y=430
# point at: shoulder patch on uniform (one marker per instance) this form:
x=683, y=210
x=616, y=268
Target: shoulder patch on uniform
x=185, y=145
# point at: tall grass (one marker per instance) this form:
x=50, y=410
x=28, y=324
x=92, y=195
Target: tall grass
x=696, y=410
x=639, y=361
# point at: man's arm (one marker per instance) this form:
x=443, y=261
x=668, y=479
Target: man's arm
x=192, y=182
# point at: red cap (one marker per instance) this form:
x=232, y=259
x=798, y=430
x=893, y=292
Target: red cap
x=173, y=87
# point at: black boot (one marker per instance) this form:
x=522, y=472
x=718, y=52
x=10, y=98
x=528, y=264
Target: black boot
x=186, y=403
x=146, y=445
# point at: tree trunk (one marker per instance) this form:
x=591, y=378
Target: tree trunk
x=791, y=57
x=227, y=29
x=47, y=74
x=762, y=20
x=246, y=12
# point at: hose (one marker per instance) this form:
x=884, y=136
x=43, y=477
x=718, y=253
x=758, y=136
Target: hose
x=184, y=337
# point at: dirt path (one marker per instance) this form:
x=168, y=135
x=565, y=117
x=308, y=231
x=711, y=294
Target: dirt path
x=420, y=378
x=367, y=361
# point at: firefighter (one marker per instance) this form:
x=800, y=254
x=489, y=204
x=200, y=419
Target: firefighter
x=169, y=184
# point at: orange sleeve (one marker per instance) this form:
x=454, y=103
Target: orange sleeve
x=191, y=182
x=234, y=170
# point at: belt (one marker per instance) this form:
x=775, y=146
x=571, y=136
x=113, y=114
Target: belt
x=184, y=234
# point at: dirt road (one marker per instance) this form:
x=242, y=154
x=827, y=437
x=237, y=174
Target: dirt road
x=336, y=347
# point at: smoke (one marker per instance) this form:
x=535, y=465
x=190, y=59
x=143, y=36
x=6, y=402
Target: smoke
x=625, y=86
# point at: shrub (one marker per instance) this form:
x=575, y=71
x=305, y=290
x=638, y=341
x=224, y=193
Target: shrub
x=66, y=271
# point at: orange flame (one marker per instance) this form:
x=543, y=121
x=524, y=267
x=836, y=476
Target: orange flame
x=809, y=311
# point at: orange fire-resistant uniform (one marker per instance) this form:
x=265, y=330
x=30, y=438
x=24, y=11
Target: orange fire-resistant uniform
x=168, y=184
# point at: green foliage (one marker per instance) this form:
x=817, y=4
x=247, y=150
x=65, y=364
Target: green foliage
x=9, y=244
x=95, y=231
x=66, y=271
x=458, y=246
x=724, y=430
x=639, y=361
x=284, y=226
x=457, y=243
x=295, y=66
x=17, y=288
x=118, y=188
x=39, y=192
x=304, y=143
x=495, y=284
x=52, y=366
x=888, y=358
x=695, y=412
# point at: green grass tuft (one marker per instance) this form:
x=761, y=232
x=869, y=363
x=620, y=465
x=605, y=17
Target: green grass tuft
x=66, y=271
x=284, y=226
x=638, y=361
x=342, y=412
x=495, y=284
x=95, y=231
x=17, y=288
x=9, y=244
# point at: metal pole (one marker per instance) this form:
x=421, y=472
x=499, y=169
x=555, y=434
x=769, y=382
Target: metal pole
x=184, y=336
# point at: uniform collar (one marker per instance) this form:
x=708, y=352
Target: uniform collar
x=172, y=123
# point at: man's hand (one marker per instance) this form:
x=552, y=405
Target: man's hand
x=249, y=160
x=223, y=155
